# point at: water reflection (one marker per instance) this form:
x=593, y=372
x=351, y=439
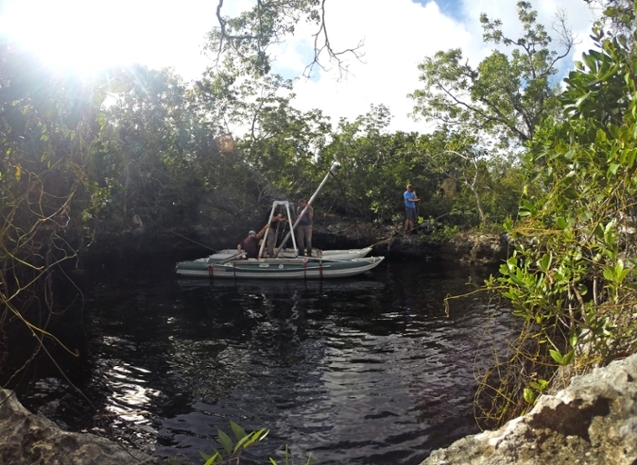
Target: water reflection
x=129, y=394
x=367, y=371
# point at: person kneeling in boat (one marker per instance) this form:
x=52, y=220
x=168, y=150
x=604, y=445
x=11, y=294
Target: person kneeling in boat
x=250, y=245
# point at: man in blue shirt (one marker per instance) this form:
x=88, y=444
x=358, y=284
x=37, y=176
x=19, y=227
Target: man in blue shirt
x=410, y=207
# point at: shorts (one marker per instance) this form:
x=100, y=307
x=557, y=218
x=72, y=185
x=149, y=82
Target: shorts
x=411, y=213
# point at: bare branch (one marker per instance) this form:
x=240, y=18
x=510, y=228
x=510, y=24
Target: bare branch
x=327, y=46
x=249, y=35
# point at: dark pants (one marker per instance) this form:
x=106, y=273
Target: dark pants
x=304, y=239
x=271, y=242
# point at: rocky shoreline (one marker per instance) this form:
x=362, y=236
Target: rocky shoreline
x=593, y=421
x=389, y=241
x=27, y=439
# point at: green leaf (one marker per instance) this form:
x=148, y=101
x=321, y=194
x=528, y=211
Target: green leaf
x=508, y=223
x=255, y=436
x=213, y=459
x=568, y=358
x=561, y=223
x=529, y=396
x=243, y=442
x=225, y=440
x=630, y=157
x=545, y=262
x=571, y=193
x=528, y=206
x=555, y=355
x=540, y=385
x=613, y=168
x=238, y=431
x=600, y=137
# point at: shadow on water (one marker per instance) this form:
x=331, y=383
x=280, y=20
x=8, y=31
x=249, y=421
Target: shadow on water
x=358, y=371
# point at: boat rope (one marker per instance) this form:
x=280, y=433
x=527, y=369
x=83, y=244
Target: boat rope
x=305, y=261
x=188, y=239
x=211, y=270
x=389, y=239
x=321, y=268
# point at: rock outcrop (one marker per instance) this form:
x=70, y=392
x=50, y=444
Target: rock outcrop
x=27, y=439
x=592, y=422
x=330, y=232
x=476, y=249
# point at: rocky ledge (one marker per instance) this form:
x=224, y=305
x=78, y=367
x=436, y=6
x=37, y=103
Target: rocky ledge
x=27, y=439
x=331, y=233
x=592, y=422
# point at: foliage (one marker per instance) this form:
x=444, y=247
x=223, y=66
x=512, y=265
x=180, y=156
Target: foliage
x=47, y=124
x=144, y=148
x=164, y=155
x=377, y=165
x=571, y=279
x=233, y=449
x=275, y=158
x=618, y=18
x=505, y=97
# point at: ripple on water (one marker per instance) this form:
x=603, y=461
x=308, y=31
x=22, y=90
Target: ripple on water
x=368, y=371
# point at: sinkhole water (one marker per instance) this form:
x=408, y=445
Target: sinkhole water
x=368, y=370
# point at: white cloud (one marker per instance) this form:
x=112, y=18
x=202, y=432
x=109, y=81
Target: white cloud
x=396, y=39
x=399, y=37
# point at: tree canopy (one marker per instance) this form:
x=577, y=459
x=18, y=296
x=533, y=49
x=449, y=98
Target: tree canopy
x=506, y=96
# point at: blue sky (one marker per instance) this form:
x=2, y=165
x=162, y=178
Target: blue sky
x=452, y=8
x=398, y=35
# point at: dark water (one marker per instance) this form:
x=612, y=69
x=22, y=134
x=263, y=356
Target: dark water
x=357, y=371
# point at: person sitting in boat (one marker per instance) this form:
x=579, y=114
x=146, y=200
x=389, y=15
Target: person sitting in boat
x=272, y=233
x=250, y=245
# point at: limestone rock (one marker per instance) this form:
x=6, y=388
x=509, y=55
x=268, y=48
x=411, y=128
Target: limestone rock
x=27, y=439
x=477, y=249
x=592, y=422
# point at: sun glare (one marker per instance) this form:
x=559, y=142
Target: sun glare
x=83, y=35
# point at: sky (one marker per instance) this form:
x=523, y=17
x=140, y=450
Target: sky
x=397, y=35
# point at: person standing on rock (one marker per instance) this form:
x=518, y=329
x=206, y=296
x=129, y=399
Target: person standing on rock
x=410, y=207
